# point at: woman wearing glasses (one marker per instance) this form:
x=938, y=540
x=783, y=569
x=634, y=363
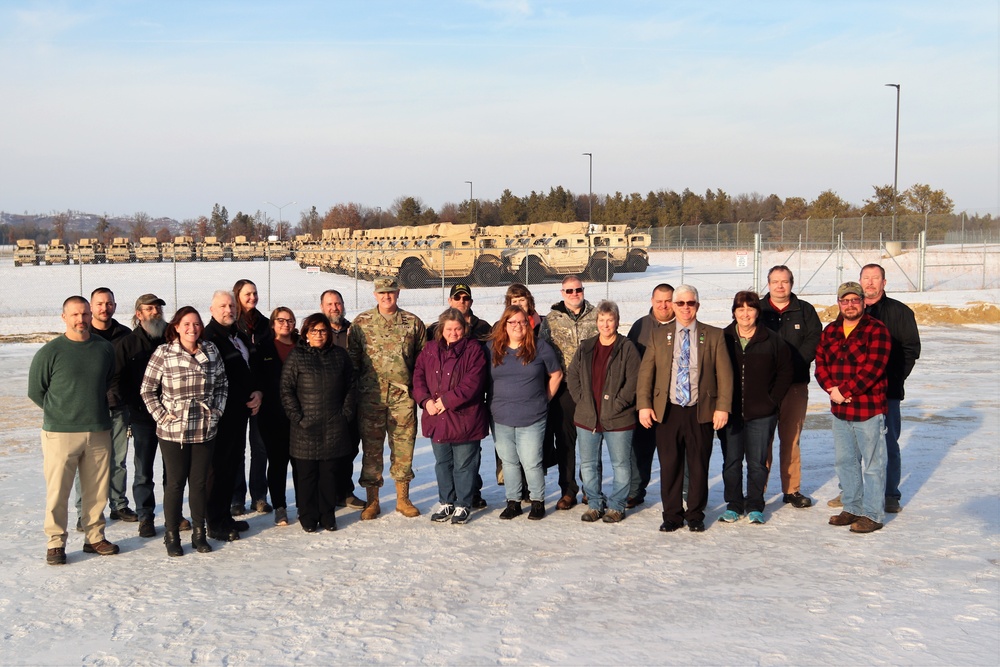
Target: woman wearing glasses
x=525, y=374
x=519, y=295
x=274, y=425
x=762, y=374
x=317, y=393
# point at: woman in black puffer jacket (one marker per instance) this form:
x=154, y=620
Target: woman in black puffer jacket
x=317, y=393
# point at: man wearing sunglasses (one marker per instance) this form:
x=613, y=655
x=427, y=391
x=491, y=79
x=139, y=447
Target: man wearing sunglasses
x=460, y=298
x=686, y=386
x=571, y=321
x=851, y=364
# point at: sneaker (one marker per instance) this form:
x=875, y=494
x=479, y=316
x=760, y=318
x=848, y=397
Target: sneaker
x=757, y=518
x=126, y=514
x=797, y=500
x=729, y=516
x=102, y=548
x=185, y=524
x=892, y=505
x=479, y=503
x=146, y=528
x=461, y=515
x=512, y=510
x=79, y=525
x=835, y=502
x=262, y=507
x=237, y=510
x=843, y=519
x=56, y=556
x=613, y=516
x=865, y=525
x=592, y=515
x=352, y=502
x=537, y=510
x=280, y=516
x=443, y=512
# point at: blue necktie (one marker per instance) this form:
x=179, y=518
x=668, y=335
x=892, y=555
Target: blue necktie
x=684, y=369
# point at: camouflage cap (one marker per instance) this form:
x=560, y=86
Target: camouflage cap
x=386, y=284
x=149, y=300
x=850, y=287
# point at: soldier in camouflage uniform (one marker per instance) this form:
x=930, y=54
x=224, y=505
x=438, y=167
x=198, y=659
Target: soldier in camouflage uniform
x=571, y=321
x=383, y=344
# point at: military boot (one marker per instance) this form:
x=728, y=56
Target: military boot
x=372, y=508
x=403, y=504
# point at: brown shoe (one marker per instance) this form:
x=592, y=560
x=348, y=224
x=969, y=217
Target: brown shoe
x=844, y=519
x=103, y=548
x=56, y=556
x=865, y=525
x=566, y=502
x=835, y=502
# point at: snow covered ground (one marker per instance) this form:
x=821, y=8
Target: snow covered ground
x=924, y=590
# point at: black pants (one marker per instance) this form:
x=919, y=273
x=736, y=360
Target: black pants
x=276, y=439
x=560, y=424
x=316, y=492
x=644, y=446
x=230, y=442
x=681, y=439
x=185, y=465
x=344, y=465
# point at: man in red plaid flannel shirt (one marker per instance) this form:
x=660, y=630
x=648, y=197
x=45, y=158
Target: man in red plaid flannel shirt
x=851, y=366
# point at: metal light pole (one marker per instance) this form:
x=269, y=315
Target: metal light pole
x=895, y=170
x=379, y=209
x=279, y=214
x=471, y=220
x=590, y=191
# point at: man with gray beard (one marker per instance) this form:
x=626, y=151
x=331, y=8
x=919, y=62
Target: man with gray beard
x=132, y=353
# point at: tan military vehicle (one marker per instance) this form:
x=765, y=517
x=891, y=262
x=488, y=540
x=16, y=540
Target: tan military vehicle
x=26, y=253
x=243, y=250
x=210, y=250
x=89, y=251
x=278, y=250
x=148, y=250
x=554, y=249
x=56, y=252
x=181, y=250
x=637, y=260
x=121, y=251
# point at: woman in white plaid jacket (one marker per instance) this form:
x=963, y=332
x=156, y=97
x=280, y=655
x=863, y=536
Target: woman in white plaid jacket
x=185, y=390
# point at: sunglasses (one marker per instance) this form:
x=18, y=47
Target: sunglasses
x=689, y=304
x=462, y=297
x=573, y=290
x=848, y=302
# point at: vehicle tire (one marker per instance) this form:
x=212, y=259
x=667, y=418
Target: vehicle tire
x=488, y=274
x=636, y=263
x=412, y=275
x=17, y=263
x=600, y=270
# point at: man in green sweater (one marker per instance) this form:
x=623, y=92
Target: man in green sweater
x=69, y=380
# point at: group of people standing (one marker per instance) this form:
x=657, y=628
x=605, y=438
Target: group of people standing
x=543, y=386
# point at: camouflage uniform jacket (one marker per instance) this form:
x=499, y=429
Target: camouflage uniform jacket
x=383, y=353
x=565, y=331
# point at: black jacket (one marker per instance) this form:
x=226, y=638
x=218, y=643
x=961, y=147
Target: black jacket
x=258, y=332
x=242, y=377
x=271, y=415
x=618, y=399
x=762, y=372
x=132, y=353
x=317, y=393
x=902, y=325
x=799, y=325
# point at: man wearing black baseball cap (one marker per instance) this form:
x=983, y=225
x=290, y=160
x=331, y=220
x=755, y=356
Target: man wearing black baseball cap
x=460, y=298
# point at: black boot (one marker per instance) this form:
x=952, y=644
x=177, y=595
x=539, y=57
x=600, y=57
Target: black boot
x=199, y=541
x=172, y=539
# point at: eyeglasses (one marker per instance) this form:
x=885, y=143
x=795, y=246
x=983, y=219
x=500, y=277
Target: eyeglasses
x=316, y=332
x=689, y=304
x=573, y=290
x=850, y=302
x=516, y=323
x=283, y=320
x=462, y=297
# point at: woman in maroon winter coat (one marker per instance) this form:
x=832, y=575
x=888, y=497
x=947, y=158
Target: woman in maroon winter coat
x=449, y=382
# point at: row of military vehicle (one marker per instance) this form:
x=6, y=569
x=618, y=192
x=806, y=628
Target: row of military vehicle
x=148, y=249
x=480, y=255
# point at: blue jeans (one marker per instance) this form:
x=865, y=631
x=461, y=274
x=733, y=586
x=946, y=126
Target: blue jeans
x=893, y=472
x=119, y=473
x=522, y=446
x=860, y=453
x=456, y=467
x=620, y=451
x=258, y=469
x=748, y=440
x=144, y=445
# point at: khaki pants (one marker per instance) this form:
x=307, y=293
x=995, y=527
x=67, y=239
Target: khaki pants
x=63, y=455
x=791, y=418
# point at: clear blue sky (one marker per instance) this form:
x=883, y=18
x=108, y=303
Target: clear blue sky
x=170, y=107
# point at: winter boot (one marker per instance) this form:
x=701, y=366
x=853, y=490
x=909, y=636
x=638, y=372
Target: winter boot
x=372, y=508
x=403, y=504
x=199, y=540
x=172, y=540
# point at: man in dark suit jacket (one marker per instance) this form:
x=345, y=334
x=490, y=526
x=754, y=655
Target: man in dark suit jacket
x=688, y=389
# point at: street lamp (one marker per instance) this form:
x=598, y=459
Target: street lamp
x=279, y=214
x=895, y=171
x=471, y=220
x=590, y=191
x=379, y=209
